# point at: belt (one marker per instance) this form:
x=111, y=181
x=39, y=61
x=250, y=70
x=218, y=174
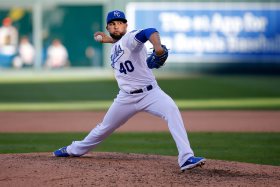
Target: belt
x=150, y=87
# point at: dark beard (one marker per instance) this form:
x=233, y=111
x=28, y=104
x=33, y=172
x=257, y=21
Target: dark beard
x=116, y=37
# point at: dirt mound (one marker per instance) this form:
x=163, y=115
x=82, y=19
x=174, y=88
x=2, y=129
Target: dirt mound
x=119, y=169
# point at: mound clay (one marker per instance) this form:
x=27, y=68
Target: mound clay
x=119, y=169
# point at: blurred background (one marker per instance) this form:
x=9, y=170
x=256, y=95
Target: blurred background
x=203, y=36
x=224, y=55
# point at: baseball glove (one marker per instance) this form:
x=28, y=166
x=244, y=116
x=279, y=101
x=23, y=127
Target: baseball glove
x=155, y=61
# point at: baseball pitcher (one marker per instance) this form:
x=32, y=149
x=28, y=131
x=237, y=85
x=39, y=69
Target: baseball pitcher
x=139, y=90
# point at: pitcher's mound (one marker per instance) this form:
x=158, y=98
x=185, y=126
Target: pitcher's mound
x=120, y=169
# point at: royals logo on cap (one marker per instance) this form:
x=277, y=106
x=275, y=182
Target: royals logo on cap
x=116, y=15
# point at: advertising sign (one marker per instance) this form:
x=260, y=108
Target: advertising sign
x=212, y=32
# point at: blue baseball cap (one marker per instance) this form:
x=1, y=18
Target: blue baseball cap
x=116, y=15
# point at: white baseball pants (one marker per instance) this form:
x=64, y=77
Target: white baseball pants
x=124, y=107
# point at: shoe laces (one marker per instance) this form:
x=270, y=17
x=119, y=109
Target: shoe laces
x=63, y=150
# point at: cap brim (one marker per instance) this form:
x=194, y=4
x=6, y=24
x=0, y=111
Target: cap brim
x=118, y=19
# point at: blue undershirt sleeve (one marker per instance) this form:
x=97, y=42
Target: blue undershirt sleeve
x=145, y=34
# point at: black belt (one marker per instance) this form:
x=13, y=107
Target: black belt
x=141, y=90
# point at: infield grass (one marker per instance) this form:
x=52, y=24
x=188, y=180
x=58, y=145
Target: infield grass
x=260, y=148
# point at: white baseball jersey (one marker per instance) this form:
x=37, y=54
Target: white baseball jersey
x=128, y=58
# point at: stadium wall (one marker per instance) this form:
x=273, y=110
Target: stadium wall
x=189, y=62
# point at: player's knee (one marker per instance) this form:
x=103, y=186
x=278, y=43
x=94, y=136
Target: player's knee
x=173, y=108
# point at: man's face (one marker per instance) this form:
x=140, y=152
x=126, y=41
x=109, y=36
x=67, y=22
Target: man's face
x=116, y=29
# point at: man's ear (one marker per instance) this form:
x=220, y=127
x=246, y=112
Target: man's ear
x=126, y=26
x=107, y=27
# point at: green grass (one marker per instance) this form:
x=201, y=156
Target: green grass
x=261, y=148
x=202, y=92
x=213, y=104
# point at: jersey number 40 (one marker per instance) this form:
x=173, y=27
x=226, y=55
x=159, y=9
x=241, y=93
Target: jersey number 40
x=125, y=67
